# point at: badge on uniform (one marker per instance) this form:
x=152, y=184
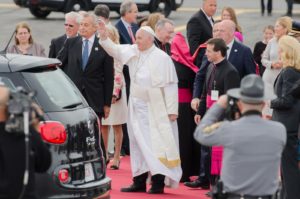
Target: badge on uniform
x=209, y=129
x=214, y=95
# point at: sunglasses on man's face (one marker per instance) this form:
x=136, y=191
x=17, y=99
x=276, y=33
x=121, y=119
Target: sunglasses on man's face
x=71, y=26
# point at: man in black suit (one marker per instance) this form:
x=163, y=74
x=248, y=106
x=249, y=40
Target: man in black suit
x=89, y=66
x=199, y=28
x=127, y=28
x=164, y=31
x=71, y=30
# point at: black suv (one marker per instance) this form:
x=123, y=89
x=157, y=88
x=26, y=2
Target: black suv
x=42, y=8
x=71, y=129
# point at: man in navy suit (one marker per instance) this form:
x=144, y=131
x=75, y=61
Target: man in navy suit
x=72, y=20
x=199, y=28
x=127, y=28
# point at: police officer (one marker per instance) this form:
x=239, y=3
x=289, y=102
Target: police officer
x=12, y=156
x=252, y=145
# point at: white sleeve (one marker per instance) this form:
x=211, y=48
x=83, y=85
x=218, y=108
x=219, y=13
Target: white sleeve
x=122, y=53
x=171, y=98
x=265, y=59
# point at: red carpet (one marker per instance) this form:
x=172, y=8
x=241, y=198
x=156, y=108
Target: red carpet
x=122, y=177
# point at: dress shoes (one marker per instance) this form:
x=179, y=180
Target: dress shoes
x=134, y=188
x=197, y=184
x=156, y=190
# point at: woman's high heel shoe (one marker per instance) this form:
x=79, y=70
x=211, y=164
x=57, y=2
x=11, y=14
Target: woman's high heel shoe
x=116, y=165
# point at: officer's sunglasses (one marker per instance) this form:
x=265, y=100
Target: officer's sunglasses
x=71, y=26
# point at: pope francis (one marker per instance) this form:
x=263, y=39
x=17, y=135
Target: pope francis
x=153, y=110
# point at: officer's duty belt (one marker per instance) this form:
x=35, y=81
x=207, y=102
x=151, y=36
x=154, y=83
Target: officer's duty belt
x=239, y=196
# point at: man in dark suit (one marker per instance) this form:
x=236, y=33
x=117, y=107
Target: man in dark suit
x=164, y=31
x=239, y=54
x=71, y=30
x=199, y=28
x=127, y=28
x=89, y=66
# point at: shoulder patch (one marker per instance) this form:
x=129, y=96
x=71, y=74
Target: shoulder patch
x=212, y=127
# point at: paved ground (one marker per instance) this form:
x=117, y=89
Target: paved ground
x=43, y=30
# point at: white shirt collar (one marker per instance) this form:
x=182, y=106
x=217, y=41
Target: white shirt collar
x=229, y=47
x=126, y=24
x=209, y=18
x=91, y=39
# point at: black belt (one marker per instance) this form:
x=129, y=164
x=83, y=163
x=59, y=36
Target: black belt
x=240, y=196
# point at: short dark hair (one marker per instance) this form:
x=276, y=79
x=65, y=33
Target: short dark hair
x=219, y=45
x=102, y=10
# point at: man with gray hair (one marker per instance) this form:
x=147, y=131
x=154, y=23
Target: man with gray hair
x=153, y=110
x=89, y=66
x=164, y=31
x=72, y=20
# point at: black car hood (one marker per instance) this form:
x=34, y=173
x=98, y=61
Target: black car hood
x=17, y=63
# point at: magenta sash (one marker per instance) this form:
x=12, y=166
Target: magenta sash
x=184, y=95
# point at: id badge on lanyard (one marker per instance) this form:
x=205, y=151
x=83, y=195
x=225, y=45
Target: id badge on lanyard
x=214, y=93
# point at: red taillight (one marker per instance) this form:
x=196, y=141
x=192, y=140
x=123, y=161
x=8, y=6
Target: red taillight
x=53, y=132
x=63, y=176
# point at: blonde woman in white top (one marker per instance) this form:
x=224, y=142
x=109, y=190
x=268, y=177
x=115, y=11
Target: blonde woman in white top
x=270, y=57
x=118, y=110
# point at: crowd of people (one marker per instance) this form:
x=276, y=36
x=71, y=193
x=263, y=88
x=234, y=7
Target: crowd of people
x=163, y=93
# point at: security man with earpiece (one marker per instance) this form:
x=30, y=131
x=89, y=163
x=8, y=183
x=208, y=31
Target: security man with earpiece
x=252, y=145
x=13, y=155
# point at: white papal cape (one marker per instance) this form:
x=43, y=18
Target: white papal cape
x=153, y=95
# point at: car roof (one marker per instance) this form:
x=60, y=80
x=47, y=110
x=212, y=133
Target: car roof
x=17, y=63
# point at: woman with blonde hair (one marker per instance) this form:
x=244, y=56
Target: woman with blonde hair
x=153, y=19
x=24, y=43
x=229, y=13
x=118, y=110
x=270, y=58
x=286, y=109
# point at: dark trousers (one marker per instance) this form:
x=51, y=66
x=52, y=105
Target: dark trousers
x=125, y=142
x=290, y=171
x=289, y=6
x=204, y=175
x=269, y=6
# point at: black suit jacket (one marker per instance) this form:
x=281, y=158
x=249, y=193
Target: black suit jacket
x=199, y=30
x=286, y=107
x=56, y=46
x=96, y=81
x=124, y=35
x=226, y=77
x=240, y=57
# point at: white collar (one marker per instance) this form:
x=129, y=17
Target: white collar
x=126, y=24
x=208, y=17
x=91, y=39
x=230, y=44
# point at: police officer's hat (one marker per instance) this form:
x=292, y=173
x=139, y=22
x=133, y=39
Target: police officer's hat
x=252, y=90
x=295, y=28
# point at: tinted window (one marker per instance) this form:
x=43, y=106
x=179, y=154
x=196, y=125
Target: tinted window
x=55, y=92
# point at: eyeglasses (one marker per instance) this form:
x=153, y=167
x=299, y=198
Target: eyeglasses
x=71, y=26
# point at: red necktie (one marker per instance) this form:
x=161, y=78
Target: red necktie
x=131, y=34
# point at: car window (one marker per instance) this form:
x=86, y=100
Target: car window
x=54, y=90
x=7, y=82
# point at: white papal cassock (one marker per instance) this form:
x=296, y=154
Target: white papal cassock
x=153, y=95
